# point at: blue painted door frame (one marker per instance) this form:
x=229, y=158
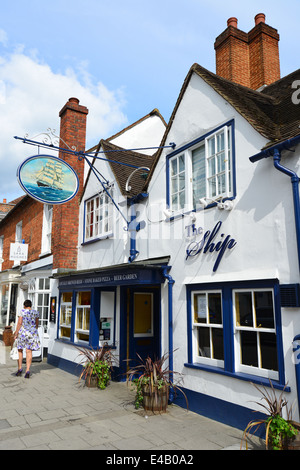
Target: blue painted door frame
x=129, y=344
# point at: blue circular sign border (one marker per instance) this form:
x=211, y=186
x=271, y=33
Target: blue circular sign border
x=44, y=201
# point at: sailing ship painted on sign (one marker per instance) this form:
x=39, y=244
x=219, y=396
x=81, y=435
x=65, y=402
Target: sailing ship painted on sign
x=51, y=176
x=48, y=179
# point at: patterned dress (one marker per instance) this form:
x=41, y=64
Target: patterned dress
x=28, y=337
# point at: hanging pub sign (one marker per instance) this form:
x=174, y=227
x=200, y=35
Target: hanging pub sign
x=48, y=179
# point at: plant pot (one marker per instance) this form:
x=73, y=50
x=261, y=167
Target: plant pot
x=288, y=443
x=156, y=401
x=91, y=381
x=293, y=443
x=7, y=336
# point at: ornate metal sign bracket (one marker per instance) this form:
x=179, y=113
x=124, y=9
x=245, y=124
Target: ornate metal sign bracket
x=52, y=142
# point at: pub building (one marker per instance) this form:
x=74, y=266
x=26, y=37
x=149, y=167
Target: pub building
x=199, y=254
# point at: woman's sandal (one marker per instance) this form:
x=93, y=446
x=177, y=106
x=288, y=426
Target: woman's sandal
x=27, y=375
x=19, y=372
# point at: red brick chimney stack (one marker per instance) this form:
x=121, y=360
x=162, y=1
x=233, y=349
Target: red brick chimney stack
x=250, y=59
x=66, y=216
x=263, y=53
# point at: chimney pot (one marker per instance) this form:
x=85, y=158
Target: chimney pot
x=74, y=100
x=4, y=201
x=260, y=18
x=232, y=22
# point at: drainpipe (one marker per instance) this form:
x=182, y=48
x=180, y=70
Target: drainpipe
x=296, y=347
x=133, y=226
x=171, y=281
x=132, y=229
x=275, y=151
x=295, y=186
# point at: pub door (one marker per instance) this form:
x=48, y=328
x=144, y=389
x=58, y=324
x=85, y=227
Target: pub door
x=143, y=326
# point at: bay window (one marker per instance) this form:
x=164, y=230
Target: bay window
x=39, y=294
x=82, y=321
x=202, y=169
x=65, y=315
x=87, y=316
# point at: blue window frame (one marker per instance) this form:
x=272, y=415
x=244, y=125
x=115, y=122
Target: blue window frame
x=87, y=317
x=209, y=164
x=235, y=329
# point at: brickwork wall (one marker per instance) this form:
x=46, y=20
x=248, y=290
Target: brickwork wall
x=264, y=60
x=66, y=216
x=250, y=59
x=30, y=212
x=233, y=60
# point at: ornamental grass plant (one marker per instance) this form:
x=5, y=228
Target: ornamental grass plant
x=96, y=363
x=279, y=430
x=151, y=377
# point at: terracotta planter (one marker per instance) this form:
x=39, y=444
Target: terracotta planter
x=289, y=443
x=293, y=444
x=91, y=381
x=7, y=336
x=157, y=401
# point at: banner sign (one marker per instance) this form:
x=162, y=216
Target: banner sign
x=18, y=252
x=48, y=179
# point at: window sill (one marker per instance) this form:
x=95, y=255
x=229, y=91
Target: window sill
x=45, y=253
x=94, y=240
x=239, y=375
x=82, y=344
x=178, y=214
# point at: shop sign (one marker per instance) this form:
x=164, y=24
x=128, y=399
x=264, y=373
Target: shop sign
x=139, y=276
x=211, y=242
x=53, y=310
x=48, y=179
x=18, y=252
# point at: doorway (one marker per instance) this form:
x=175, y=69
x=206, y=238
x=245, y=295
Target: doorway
x=143, y=324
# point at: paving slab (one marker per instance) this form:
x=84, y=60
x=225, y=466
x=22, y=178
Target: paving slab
x=53, y=411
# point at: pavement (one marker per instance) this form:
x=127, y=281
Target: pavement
x=53, y=411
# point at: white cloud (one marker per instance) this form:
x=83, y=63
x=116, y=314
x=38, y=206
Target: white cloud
x=31, y=96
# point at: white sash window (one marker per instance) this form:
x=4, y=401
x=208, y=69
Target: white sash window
x=203, y=170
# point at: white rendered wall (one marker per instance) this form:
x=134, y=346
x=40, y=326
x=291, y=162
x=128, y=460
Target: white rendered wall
x=261, y=222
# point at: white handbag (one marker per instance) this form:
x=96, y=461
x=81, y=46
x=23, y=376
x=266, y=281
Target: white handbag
x=14, y=354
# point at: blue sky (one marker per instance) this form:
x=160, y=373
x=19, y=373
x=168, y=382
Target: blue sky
x=120, y=58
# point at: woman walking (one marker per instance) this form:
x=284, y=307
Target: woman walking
x=27, y=337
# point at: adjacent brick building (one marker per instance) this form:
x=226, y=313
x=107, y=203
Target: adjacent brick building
x=65, y=217
x=50, y=231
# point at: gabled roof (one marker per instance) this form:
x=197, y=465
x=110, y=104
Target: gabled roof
x=286, y=113
x=270, y=112
x=15, y=204
x=154, y=112
x=122, y=173
x=113, y=152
